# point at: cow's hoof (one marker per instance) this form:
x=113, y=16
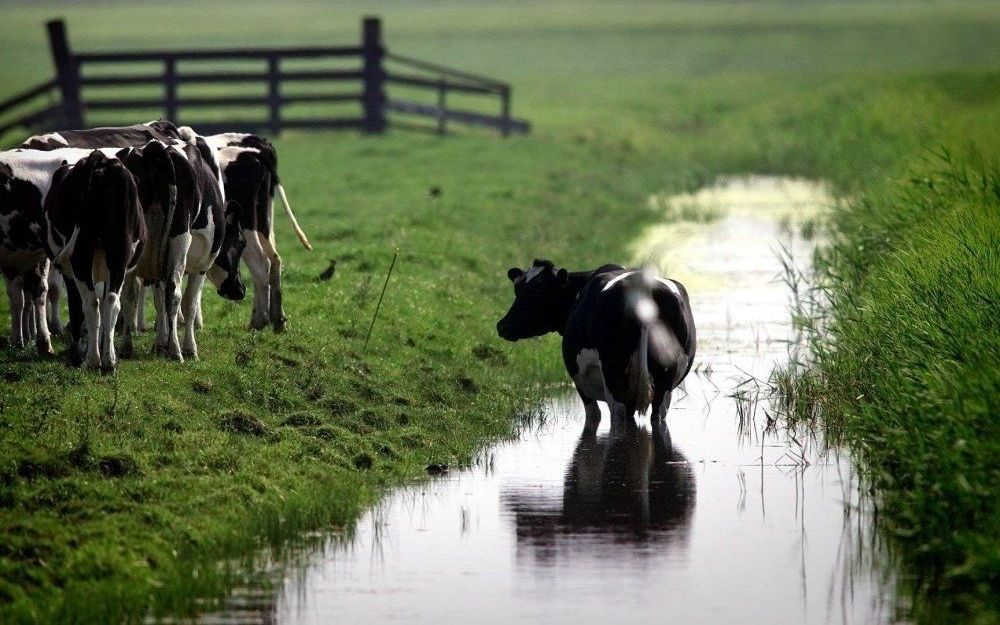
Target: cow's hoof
x=107, y=369
x=190, y=354
x=258, y=324
x=159, y=350
x=127, y=350
x=280, y=324
x=92, y=364
x=44, y=349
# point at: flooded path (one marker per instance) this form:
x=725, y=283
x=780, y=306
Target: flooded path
x=708, y=521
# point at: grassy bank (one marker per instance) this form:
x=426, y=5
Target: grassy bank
x=117, y=489
x=908, y=375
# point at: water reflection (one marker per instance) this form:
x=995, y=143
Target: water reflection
x=626, y=485
x=543, y=529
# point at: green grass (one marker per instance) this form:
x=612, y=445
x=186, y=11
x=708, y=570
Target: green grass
x=907, y=372
x=641, y=99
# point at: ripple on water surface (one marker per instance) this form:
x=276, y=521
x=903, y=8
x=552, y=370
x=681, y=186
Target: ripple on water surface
x=701, y=521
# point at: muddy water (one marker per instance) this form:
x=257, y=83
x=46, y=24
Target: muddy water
x=708, y=520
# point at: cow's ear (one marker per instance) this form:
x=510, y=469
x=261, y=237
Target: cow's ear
x=563, y=277
x=514, y=273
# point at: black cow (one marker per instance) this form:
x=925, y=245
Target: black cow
x=95, y=235
x=250, y=172
x=628, y=339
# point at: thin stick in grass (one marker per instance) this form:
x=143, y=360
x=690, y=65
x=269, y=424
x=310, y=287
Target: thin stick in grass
x=379, y=305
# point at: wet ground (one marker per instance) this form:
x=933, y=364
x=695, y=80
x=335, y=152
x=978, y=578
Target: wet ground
x=707, y=520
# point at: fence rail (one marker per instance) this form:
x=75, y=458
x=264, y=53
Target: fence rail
x=71, y=95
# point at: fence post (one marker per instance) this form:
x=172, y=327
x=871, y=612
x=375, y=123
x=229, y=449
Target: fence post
x=442, y=115
x=67, y=73
x=373, y=75
x=274, y=93
x=505, y=110
x=170, y=88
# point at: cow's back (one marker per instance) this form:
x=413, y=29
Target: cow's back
x=106, y=137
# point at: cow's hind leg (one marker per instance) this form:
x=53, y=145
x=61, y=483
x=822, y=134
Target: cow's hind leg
x=260, y=271
x=110, y=309
x=38, y=290
x=140, y=308
x=592, y=411
x=54, y=322
x=177, y=253
x=661, y=402
x=28, y=317
x=171, y=305
x=190, y=304
x=75, y=304
x=276, y=313
x=92, y=323
x=130, y=295
x=662, y=392
x=159, y=322
x=15, y=295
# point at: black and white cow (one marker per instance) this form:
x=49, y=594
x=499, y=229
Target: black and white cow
x=197, y=234
x=25, y=181
x=628, y=339
x=95, y=234
x=212, y=228
x=250, y=172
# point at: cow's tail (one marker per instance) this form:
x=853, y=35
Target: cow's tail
x=62, y=257
x=291, y=216
x=639, y=385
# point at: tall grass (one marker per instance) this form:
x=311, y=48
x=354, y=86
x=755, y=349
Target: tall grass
x=906, y=371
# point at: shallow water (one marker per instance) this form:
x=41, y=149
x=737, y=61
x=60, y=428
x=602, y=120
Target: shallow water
x=708, y=520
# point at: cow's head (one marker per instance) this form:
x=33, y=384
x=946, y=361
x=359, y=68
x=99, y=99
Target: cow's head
x=225, y=273
x=539, y=302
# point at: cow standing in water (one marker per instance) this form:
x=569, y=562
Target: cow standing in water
x=628, y=339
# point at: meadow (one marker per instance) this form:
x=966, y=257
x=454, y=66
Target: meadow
x=123, y=493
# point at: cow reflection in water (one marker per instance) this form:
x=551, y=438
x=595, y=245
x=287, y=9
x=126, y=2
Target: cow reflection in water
x=628, y=484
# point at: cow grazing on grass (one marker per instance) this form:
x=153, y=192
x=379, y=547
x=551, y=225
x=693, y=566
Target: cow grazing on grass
x=628, y=338
x=95, y=234
x=250, y=172
x=25, y=181
x=212, y=229
x=197, y=230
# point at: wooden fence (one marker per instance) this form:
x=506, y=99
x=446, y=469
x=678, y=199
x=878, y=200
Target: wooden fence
x=68, y=100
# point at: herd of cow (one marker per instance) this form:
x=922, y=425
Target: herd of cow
x=107, y=212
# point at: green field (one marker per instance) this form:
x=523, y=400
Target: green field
x=627, y=100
